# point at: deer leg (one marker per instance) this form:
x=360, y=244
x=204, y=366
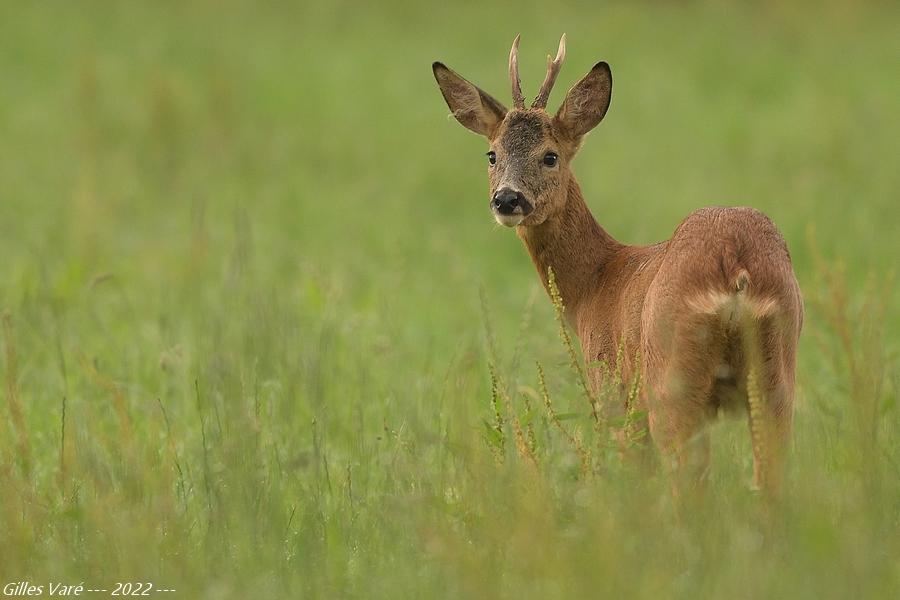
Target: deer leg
x=769, y=376
x=770, y=421
x=677, y=425
x=680, y=369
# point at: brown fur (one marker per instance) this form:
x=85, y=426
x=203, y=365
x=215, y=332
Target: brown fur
x=687, y=313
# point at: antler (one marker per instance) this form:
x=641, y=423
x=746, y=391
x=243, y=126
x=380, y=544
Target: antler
x=518, y=98
x=553, y=67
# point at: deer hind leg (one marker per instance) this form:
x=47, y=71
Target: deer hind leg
x=769, y=375
x=683, y=443
x=770, y=432
x=680, y=367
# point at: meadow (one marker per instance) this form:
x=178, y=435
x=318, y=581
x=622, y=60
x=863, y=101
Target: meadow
x=252, y=299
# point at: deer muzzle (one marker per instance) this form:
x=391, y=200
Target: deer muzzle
x=510, y=207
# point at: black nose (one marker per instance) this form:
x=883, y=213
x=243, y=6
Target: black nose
x=506, y=201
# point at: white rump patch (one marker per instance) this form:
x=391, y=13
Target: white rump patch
x=731, y=305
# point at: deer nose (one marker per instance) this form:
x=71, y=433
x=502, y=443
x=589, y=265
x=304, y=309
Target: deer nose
x=506, y=201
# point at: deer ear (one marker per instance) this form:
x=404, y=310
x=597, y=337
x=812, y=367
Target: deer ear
x=587, y=102
x=472, y=107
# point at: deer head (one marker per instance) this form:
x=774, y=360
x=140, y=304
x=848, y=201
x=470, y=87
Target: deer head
x=530, y=151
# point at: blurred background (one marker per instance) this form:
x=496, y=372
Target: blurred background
x=246, y=263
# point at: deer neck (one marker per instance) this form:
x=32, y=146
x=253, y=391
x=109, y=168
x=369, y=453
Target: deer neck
x=575, y=246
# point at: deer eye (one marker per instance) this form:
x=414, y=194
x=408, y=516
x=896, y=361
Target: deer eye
x=550, y=159
x=492, y=157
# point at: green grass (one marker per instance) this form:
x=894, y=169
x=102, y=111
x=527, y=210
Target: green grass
x=243, y=250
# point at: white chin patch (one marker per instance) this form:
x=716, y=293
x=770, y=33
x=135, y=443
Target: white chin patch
x=508, y=220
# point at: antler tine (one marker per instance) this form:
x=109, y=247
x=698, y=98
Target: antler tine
x=553, y=67
x=518, y=98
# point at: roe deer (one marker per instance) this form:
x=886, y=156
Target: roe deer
x=710, y=318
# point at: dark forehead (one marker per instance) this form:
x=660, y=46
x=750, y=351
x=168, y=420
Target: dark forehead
x=523, y=131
